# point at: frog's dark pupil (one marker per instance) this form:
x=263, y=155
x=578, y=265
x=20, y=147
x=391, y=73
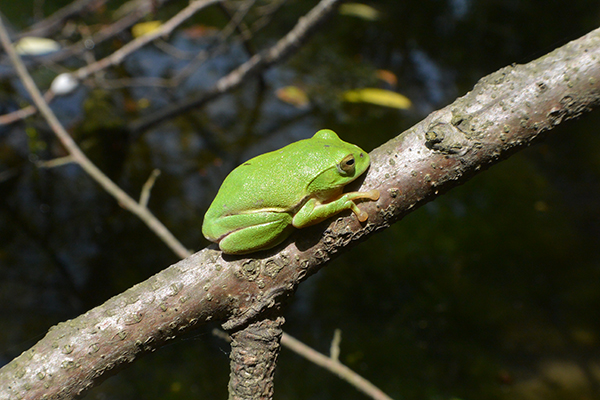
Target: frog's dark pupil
x=350, y=162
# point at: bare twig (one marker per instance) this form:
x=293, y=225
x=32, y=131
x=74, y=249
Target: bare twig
x=118, y=56
x=102, y=35
x=141, y=212
x=334, y=349
x=17, y=115
x=75, y=155
x=235, y=20
x=283, y=48
x=267, y=11
x=24, y=112
x=236, y=23
x=56, y=21
x=135, y=82
x=147, y=188
x=165, y=29
x=173, y=51
x=56, y=162
x=506, y=112
x=334, y=366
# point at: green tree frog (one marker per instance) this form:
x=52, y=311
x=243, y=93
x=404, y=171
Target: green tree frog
x=261, y=202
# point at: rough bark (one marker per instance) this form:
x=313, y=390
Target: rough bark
x=254, y=351
x=505, y=112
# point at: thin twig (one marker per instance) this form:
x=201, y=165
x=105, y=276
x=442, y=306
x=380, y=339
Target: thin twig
x=102, y=35
x=118, y=56
x=120, y=83
x=17, y=115
x=332, y=364
x=267, y=10
x=147, y=188
x=334, y=350
x=283, y=48
x=139, y=209
x=198, y=60
x=233, y=25
x=56, y=162
x=24, y=112
x=335, y=367
x=173, y=51
x=236, y=23
x=164, y=30
x=57, y=20
x=123, y=198
x=199, y=289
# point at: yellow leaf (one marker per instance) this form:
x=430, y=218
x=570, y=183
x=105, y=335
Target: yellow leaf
x=293, y=95
x=35, y=46
x=144, y=28
x=377, y=96
x=359, y=10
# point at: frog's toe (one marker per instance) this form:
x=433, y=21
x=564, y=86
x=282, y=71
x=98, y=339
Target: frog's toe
x=362, y=216
x=372, y=194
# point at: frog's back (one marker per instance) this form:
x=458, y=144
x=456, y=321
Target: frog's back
x=277, y=180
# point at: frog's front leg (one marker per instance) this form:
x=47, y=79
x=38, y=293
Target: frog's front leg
x=249, y=232
x=314, y=211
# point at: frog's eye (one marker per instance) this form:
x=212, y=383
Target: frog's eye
x=347, y=165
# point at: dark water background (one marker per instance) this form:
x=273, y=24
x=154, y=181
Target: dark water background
x=490, y=292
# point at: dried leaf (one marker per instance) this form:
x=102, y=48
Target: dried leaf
x=200, y=31
x=293, y=95
x=387, y=76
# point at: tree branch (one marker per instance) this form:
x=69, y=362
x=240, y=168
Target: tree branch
x=165, y=29
x=505, y=112
x=118, y=56
x=241, y=381
x=277, y=53
x=79, y=157
x=334, y=366
x=254, y=352
x=57, y=20
x=102, y=35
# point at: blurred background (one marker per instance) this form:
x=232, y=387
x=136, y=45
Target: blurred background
x=492, y=291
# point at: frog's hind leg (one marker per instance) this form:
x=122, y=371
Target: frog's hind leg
x=262, y=231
